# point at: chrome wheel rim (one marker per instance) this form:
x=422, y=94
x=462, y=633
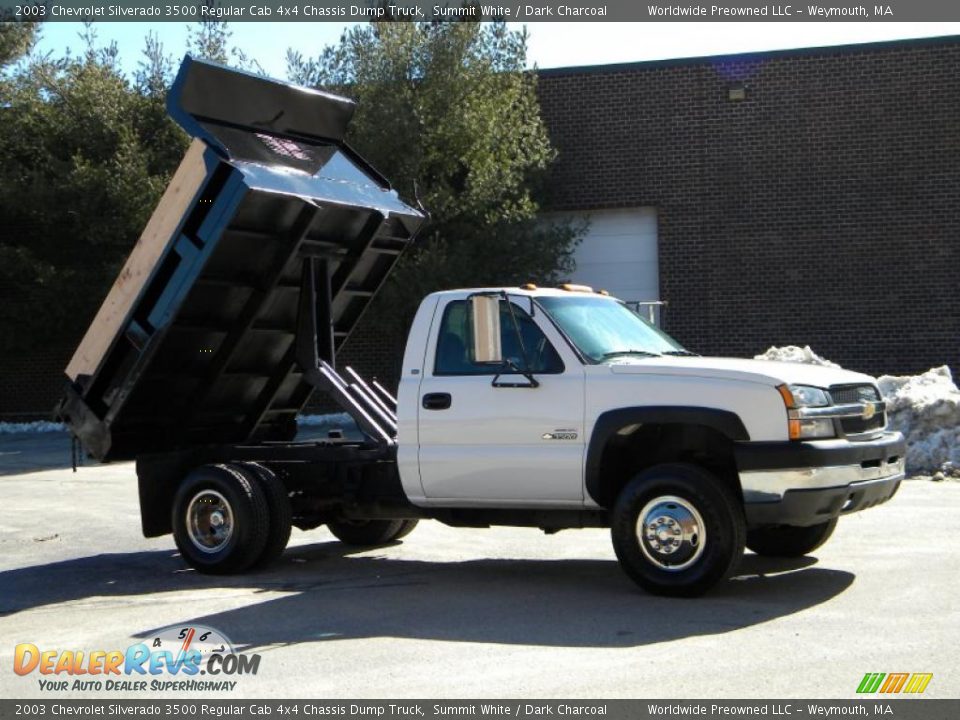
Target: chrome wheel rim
x=210, y=521
x=671, y=533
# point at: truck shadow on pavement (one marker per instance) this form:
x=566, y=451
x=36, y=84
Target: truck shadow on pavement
x=330, y=594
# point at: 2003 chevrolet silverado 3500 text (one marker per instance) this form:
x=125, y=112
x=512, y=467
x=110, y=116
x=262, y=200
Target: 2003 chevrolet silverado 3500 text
x=547, y=408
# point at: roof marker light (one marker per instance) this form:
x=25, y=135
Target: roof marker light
x=571, y=287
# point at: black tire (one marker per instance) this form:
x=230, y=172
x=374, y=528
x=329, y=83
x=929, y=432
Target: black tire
x=788, y=540
x=672, y=496
x=239, y=502
x=365, y=533
x=278, y=506
x=407, y=527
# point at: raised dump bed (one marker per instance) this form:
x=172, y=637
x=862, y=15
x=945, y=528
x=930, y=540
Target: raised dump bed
x=270, y=219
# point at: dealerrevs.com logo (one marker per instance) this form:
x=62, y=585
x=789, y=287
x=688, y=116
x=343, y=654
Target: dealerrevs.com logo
x=177, y=658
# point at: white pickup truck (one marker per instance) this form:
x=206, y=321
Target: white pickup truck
x=545, y=408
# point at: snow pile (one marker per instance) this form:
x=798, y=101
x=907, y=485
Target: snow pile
x=40, y=426
x=320, y=424
x=925, y=408
x=333, y=419
x=792, y=353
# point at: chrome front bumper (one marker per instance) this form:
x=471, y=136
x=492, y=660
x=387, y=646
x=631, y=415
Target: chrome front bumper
x=772, y=485
x=805, y=483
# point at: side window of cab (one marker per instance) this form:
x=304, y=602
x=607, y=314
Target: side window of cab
x=455, y=343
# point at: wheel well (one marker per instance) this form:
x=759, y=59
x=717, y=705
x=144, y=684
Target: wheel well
x=637, y=447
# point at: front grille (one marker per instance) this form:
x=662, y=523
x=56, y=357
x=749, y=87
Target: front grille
x=854, y=394
x=849, y=394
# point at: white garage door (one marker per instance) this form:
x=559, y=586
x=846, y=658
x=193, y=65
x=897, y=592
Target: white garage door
x=619, y=254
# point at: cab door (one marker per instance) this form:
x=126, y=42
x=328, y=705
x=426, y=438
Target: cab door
x=480, y=444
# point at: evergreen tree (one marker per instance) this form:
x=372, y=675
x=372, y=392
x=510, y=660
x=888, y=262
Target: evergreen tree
x=449, y=113
x=84, y=157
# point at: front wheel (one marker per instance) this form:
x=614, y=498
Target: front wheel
x=788, y=540
x=370, y=532
x=677, y=530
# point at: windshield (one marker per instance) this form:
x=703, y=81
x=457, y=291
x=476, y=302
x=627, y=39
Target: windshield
x=604, y=329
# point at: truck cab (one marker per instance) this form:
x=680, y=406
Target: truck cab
x=552, y=399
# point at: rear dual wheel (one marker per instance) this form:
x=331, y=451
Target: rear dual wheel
x=228, y=518
x=789, y=540
x=367, y=533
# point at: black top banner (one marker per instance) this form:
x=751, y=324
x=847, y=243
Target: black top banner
x=509, y=10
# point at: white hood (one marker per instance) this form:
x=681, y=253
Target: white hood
x=762, y=371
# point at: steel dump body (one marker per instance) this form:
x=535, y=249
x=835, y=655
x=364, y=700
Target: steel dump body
x=197, y=342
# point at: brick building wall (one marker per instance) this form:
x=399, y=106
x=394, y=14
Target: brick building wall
x=822, y=209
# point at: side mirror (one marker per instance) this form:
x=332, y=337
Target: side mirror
x=485, y=311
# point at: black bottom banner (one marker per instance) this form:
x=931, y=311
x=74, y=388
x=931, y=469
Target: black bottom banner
x=901, y=709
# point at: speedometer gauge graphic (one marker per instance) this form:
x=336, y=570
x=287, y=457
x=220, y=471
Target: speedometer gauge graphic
x=181, y=639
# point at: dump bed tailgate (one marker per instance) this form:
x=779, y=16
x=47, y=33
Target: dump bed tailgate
x=195, y=343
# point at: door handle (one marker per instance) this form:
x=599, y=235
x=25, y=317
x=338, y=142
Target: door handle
x=437, y=401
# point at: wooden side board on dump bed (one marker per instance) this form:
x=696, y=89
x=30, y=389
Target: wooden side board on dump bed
x=173, y=205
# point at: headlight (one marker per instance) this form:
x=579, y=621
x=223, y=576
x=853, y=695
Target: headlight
x=797, y=397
